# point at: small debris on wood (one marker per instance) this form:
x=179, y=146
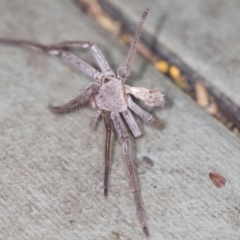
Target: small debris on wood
x=201, y=95
x=148, y=161
x=144, y=164
x=212, y=108
x=218, y=180
x=93, y=7
x=162, y=66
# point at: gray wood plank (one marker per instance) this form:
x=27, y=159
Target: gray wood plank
x=51, y=167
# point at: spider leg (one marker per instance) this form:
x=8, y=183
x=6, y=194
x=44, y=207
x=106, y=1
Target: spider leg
x=108, y=126
x=55, y=50
x=154, y=121
x=77, y=102
x=95, y=119
x=103, y=64
x=132, y=123
x=124, y=71
x=122, y=133
x=139, y=111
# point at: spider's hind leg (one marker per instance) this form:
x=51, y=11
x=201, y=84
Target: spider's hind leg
x=96, y=52
x=123, y=135
x=108, y=126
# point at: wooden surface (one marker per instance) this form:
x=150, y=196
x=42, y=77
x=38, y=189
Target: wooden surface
x=51, y=167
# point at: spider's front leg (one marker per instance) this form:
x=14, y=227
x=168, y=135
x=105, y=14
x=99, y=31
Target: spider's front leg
x=60, y=49
x=122, y=133
x=124, y=71
x=57, y=50
x=97, y=54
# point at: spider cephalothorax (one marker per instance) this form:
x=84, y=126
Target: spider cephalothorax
x=111, y=98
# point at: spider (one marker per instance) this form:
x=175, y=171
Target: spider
x=112, y=99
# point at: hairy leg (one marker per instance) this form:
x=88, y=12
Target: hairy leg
x=122, y=133
x=139, y=111
x=108, y=126
x=131, y=123
x=58, y=51
x=124, y=71
x=77, y=102
x=154, y=121
x=103, y=64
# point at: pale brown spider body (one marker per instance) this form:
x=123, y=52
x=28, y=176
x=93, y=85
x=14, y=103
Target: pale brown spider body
x=111, y=98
